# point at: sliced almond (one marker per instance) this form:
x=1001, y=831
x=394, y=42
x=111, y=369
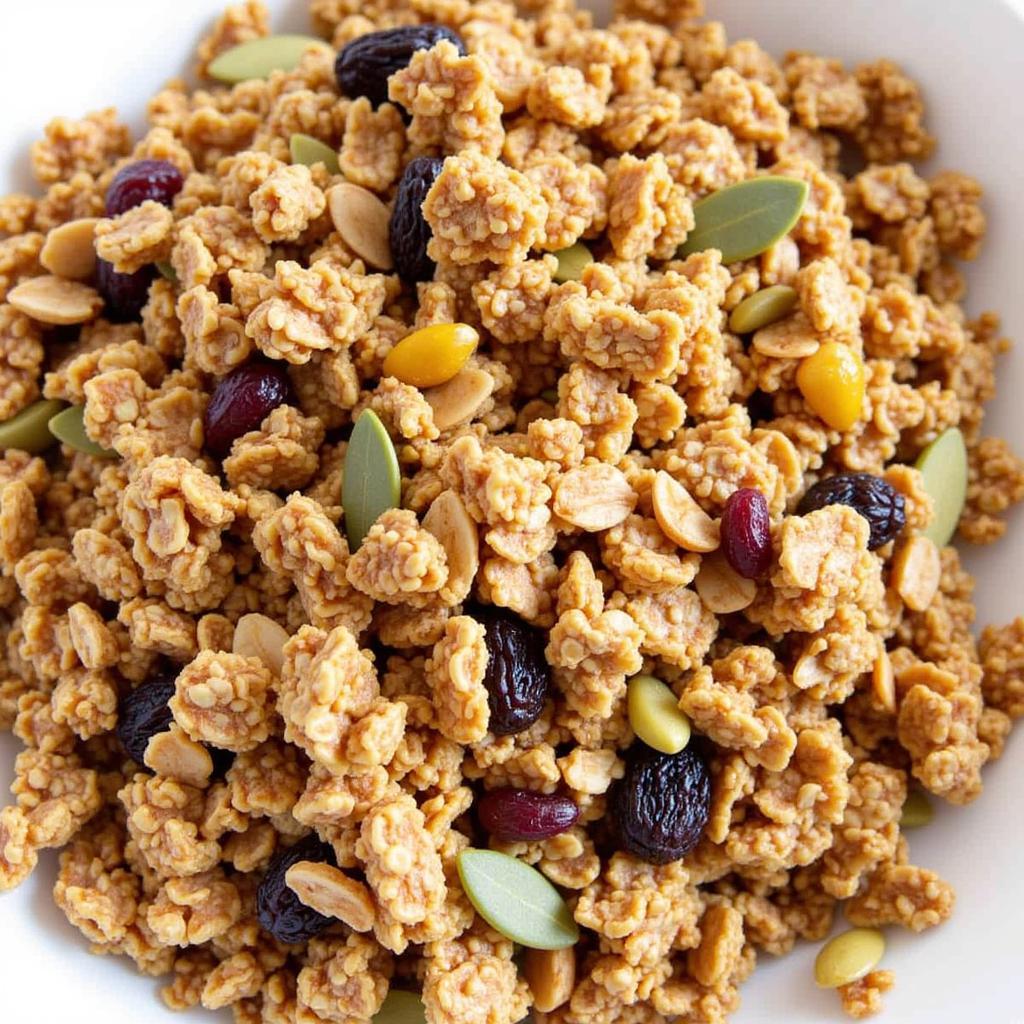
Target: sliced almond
x=174, y=756
x=594, y=497
x=680, y=517
x=792, y=338
x=916, y=572
x=883, y=682
x=721, y=588
x=808, y=670
x=52, y=300
x=459, y=399
x=448, y=520
x=551, y=975
x=332, y=893
x=257, y=636
x=362, y=221
x=70, y=249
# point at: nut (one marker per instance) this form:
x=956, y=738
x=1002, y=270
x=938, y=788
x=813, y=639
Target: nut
x=781, y=341
x=680, y=517
x=594, y=496
x=174, y=756
x=52, y=300
x=70, y=250
x=257, y=636
x=883, y=684
x=362, y=221
x=916, y=571
x=459, y=399
x=332, y=893
x=551, y=975
x=448, y=520
x=721, y=588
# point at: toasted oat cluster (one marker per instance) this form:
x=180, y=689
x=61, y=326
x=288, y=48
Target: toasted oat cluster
x=258, y=739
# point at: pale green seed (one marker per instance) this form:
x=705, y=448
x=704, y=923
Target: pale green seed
x=69, y=427
x=516, y=900
x=655, y=716
x=372, y=482
x=571, y=262
x=743, y=220
x=917, y=810
x=550, y=395
x=307, y=150
x=257, y=58
x=167, y=271
x=29, y=430
x=762, y=308
x=848, y=957
x=943, y=466
x=400, y=1007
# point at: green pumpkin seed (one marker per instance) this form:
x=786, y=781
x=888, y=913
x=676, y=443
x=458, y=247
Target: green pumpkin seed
x=371, y=483
x=258, y=57
x=571, y=262
x=28, y=430
x=848, y=956
x=745, y=219
x=917, y=810
x=167, y=271
x=550, y=395
x=762, y=308
x=655, y=716
x=307, y=150
x=69, y=426
x=943, y=465
x=400, y=1007
x=516, y=900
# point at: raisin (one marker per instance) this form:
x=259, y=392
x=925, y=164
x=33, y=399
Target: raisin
x=660, y=807
x=517, y=676
x=143, y=713
x=519, y=815
x=125, y=294
x=278, y=909
x=874, y=498
x=746, y=533
x=364, y=65
x=241, y=401
x=158, y=180
x=409, y=232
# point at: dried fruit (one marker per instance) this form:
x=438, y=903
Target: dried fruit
x=52, y=300
x=408, y=230
x=943, y=466
x=517, y=676
x=400, y=1007
x=143, y=713
x=366, y=63
x=762, y=308
x=306, y=150
x=69, y=251
x=69, y=428
x=278, y=909
x=431, y=355
x=832, y=381
x=362, y=221
x=848, y=956
x=520, y=815
x=746, y=533
x=125, y=294
x=874, y=498
x=158, y=180
x=29, y=430
x=661, y=805
x=654, y=715
x=572, y=262
x=516, y=900
x=372, y=481
x=241, y=401
x=257, y=58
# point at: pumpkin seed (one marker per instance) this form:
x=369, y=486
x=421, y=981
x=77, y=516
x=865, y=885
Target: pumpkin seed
x=258, y=57
x=848, y=956
x=655, y=716
x=307, y=150
x=943, y=465
x=69, y=426
x=571, y=262
x=917, y=810
x=28, y=430
x=400, y=1007
x=167, y=271
x=371, y=482
x=516, y=900
x=550, y=395
x=743, y=220
x=762, y=308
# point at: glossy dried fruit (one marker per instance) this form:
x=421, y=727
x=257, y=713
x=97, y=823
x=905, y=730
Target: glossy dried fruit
x=431, y=355
x=278, y=909
x=408, y=230
x=660, y=806
x=520, y=815
x=241, y=401
x=125, y=294
x=158, y=180
x=833, y=381
x=746, y=533
x=364, y=65
x=874, y=498
x=517, y=676
x=143, y=713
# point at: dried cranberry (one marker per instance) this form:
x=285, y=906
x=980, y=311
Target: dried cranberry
x=364, y=65
x=746, y=533
x=519, y=815
x=660, y=806
x=409, y=232
x=278, y=909
x=143, y=713
x=874, y=498
x=517, y=677
x=241, y=401
x=158, y=180
x=125, y=294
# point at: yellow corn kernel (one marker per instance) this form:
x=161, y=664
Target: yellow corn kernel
x=431, y=355
x=832, y=383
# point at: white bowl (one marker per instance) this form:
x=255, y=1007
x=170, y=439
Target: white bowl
x=68, y=57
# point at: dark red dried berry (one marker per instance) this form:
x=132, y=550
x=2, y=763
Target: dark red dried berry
x=365, y=64
x=409, y=232
x=158, y=180
x=519, y=815
x=278, y=909
x=746, y=533
x=241, y=401
x=660, y=806
x=874, y=498
x=143, y=713
x=125, y=294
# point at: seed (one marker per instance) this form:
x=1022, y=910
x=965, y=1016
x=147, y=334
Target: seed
x=432, y=355
x=257, y=58
x=371, y=482
x=848, y=956
x=917, y=572
x=306, y=150
x=943, y=466
x=136, y=182
x=69, y=428
x=166, y=271
x=258, y=636
x=594, y=497
x=680, y=517
x=551, y=975
x=762, y=308
x=362, y=221
x=241, y=402
x=69, y=251
x=461, y=398
x=29, y=430
x=655, y=716
x=330, y=892
x=832, y=383
x=746, y=533
x=917, y=810
x=448, y=520
x=721, y=588
x=874, y=498
x=400, y=1007
x=52, y=300
x=519, y=815
x=572, y=262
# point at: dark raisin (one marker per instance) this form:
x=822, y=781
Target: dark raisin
x=241, y=401
x=278, y=909
x=365, y=64
x=519, y=815
x=660, y=807
x=760, y=407
x=143, y=713
x=746, y=533
x=125, y=294
x=158, y=180
x=409, y=232
x=874, y=498
x=517, y=677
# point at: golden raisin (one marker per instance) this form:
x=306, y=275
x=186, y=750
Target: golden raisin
x=431, y=355
x=832, y=383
